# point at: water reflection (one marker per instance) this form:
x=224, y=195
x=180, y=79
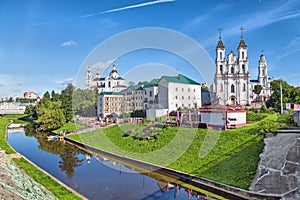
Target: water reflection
x=94, y=176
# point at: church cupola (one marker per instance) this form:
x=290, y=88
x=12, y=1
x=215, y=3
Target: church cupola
x=114, y=73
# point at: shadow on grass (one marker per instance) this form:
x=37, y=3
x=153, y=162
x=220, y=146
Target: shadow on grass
x=239, y=168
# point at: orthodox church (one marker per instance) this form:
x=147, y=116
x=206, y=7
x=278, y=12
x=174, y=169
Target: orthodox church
x=232, y=84
x=112, y=83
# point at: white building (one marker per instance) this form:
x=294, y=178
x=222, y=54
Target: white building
x=232, y=85
x=223, y=117
x=112, y=83
x=110, y=103
x=12, y=108
x=178, y=91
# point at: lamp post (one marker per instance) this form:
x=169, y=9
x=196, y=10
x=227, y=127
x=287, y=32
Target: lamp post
x=281, y=107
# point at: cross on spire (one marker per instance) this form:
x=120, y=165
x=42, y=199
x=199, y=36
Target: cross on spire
x=241, y=29
x=220, y=33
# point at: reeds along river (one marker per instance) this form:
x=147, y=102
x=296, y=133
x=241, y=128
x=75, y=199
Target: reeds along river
x=93, y=176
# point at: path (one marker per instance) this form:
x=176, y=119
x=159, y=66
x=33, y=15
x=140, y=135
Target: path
x=279, y=168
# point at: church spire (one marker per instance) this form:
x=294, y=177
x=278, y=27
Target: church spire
x=220, y=44
x=242, y=42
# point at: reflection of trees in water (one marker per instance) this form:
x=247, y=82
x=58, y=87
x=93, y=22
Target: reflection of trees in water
x=69, y=162
x=67, y=152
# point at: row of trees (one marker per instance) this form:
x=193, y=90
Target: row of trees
x=54, y=110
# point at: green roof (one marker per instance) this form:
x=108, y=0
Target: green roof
x=136, y=87
x=154, y=80
x=150, y=85
x=180, y=79
x=112, y=93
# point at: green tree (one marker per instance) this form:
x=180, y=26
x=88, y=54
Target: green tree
x=257, y=89
x=52, y=117
x=66, y=102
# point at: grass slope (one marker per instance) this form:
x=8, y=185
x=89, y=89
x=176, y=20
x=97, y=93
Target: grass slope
x=70, y=126
x=233, y=160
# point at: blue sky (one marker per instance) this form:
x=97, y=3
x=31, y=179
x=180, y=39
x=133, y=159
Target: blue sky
x=44, y=43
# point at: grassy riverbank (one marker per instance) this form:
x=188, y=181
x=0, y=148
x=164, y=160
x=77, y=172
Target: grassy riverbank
x=59, y=191
x=232, y=160
x=70, y=126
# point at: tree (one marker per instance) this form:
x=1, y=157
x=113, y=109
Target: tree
x=142, y=82
x=30, y=110
x=52, y=116
x=66, y=102
x=257, y=89
x=130, y=83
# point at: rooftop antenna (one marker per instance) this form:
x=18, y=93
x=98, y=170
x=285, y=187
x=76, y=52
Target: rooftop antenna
x=220, y=33
x=242, y=29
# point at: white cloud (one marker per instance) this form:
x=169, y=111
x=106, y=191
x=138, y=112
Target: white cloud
x=131, y=7
x=102, y=65
x=68, y=43
x=258, y=19
x=20, y=83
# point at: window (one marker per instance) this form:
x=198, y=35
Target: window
x=176, y=105
x=175, y=97
x=145, y=92
x=182, y=89
x=232, y=70
x=221, y=68
x=182, y=97
x=183, y=105
x=189, y=97
x=176, y=89
x=189, y=90
x=244, y=87
x=221, y=55
x=150, y=93
x=189, y=105
x=263, y=72
x=194, y=90
x=232, y=88
x=243, y=68
x=243, y=55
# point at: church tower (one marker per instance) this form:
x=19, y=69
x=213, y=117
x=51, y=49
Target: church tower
x=88, y=81
x=232, y=79
x=263, y=78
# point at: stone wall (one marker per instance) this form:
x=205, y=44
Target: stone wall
x=279, y=170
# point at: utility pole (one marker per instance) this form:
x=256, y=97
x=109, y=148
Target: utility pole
x=281, y=107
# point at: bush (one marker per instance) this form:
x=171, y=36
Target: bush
x=267, y=126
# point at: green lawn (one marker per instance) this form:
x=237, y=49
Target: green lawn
x=70, y=126
x=59, y=191
x=15, y=116
x=232, y=160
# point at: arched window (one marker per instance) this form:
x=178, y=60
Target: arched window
x=221, y=68
x=263, y=72
x=221, y=55
x=232, y=88
x=243, y=68
x=243, y=55
x=232, y=70
x=244, y=87
x=221, y=87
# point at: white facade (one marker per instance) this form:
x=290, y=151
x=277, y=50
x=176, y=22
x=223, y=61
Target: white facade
x=12, y=108
x=178, y=91
x=232, y=85
x=112, y=83
x=150, y=96
x=224, y=118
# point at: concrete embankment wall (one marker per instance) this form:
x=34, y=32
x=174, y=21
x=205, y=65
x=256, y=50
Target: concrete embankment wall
x=223, y=190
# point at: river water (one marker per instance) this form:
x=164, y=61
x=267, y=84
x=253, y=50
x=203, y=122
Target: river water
x=93, y=176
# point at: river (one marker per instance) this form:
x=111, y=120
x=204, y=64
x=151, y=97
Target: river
x=93, y=176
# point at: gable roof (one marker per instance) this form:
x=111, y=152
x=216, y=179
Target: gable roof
x=180, y=79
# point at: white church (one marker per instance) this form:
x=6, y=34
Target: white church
x=232, y=84
x=112, y=83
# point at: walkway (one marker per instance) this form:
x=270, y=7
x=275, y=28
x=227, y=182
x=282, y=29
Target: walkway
x=279, y=168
